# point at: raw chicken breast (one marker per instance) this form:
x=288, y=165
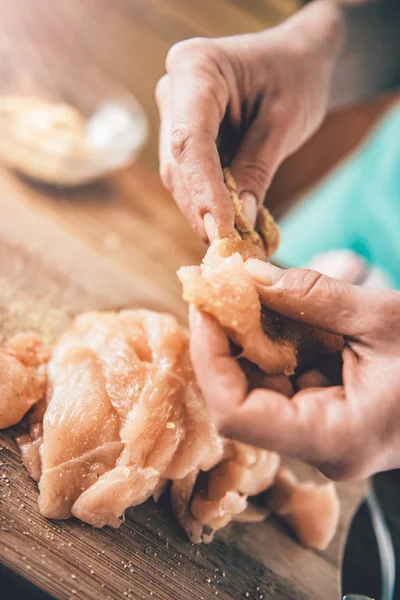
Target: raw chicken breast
x=22, y=376
x=221, y=494
x=244, y=471
x=119, y=416
x=123, y=416
x=165, y=429
x=311, y=510
x=30, y=445
x=223, y=288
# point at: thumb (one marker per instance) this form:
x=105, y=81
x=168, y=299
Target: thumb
x=319, y=300
x=254, y=166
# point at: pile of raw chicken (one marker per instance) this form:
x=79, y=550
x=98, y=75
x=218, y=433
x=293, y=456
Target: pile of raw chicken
x=114, y=415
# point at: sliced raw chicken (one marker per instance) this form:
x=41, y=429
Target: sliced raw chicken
x=221, y=494
x=30, y=445
x=165, y=430
x=123, y=416
x=22, y=376
x=119, y=414
x=181, y=495
x=311, y=510
x=223, y=288
x=244, y=471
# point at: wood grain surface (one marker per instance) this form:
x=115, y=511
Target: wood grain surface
x=118, y=244
x=126, y=40
x=47, y=275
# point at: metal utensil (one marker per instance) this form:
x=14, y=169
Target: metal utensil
x=385, y=546
x=356, y=597
x=347, y=266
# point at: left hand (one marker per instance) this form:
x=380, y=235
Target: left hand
x=348, y=427
x=248, y=101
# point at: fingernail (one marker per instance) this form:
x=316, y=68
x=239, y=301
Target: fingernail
x=263, y=272
x=211, y=227
x=249, y=207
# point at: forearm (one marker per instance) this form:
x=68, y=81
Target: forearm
x=370, y=58
x=362, y=38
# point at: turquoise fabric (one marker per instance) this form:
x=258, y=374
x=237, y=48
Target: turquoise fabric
x=356, y=208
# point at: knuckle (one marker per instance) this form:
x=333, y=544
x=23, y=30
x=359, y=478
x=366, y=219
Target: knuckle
x=304, y=282
x=210, y=90
x=175, y=54
x=378, y=322
x=255, y=175
x=192, y=51
x=166, y=175
x=180, y=141
x=389, y=312
x=161, y=88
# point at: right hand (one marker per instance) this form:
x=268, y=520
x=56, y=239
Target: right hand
x=248, y=101
x=347, y=426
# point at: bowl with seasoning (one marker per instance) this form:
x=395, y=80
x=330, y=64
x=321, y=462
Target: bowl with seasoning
x=69, y=130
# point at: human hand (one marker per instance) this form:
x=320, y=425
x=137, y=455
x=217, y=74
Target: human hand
x=349, y=430
x=248, y=101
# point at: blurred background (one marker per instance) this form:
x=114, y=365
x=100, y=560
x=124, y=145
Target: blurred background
x=80, y=49
x=87, y=53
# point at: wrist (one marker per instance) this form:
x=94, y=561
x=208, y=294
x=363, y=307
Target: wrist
x=316, y=31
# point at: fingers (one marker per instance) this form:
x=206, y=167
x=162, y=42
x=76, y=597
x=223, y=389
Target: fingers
x=317, y=425
x=264, y=418
x=333, y=305
x=310, y=427
x=278, y=383
x=327, y=371
x=192, y=100
x=256, y=162
x=257, y=378
x=220, y=377
x=312, y=379
x=172, y=178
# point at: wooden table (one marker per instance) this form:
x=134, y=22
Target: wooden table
x=113, y=245
x=57, y=258
x=126, y=40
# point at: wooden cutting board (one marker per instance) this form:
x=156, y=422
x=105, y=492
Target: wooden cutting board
x=111, y=246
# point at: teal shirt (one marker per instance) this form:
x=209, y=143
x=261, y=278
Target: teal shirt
x=356, y=208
